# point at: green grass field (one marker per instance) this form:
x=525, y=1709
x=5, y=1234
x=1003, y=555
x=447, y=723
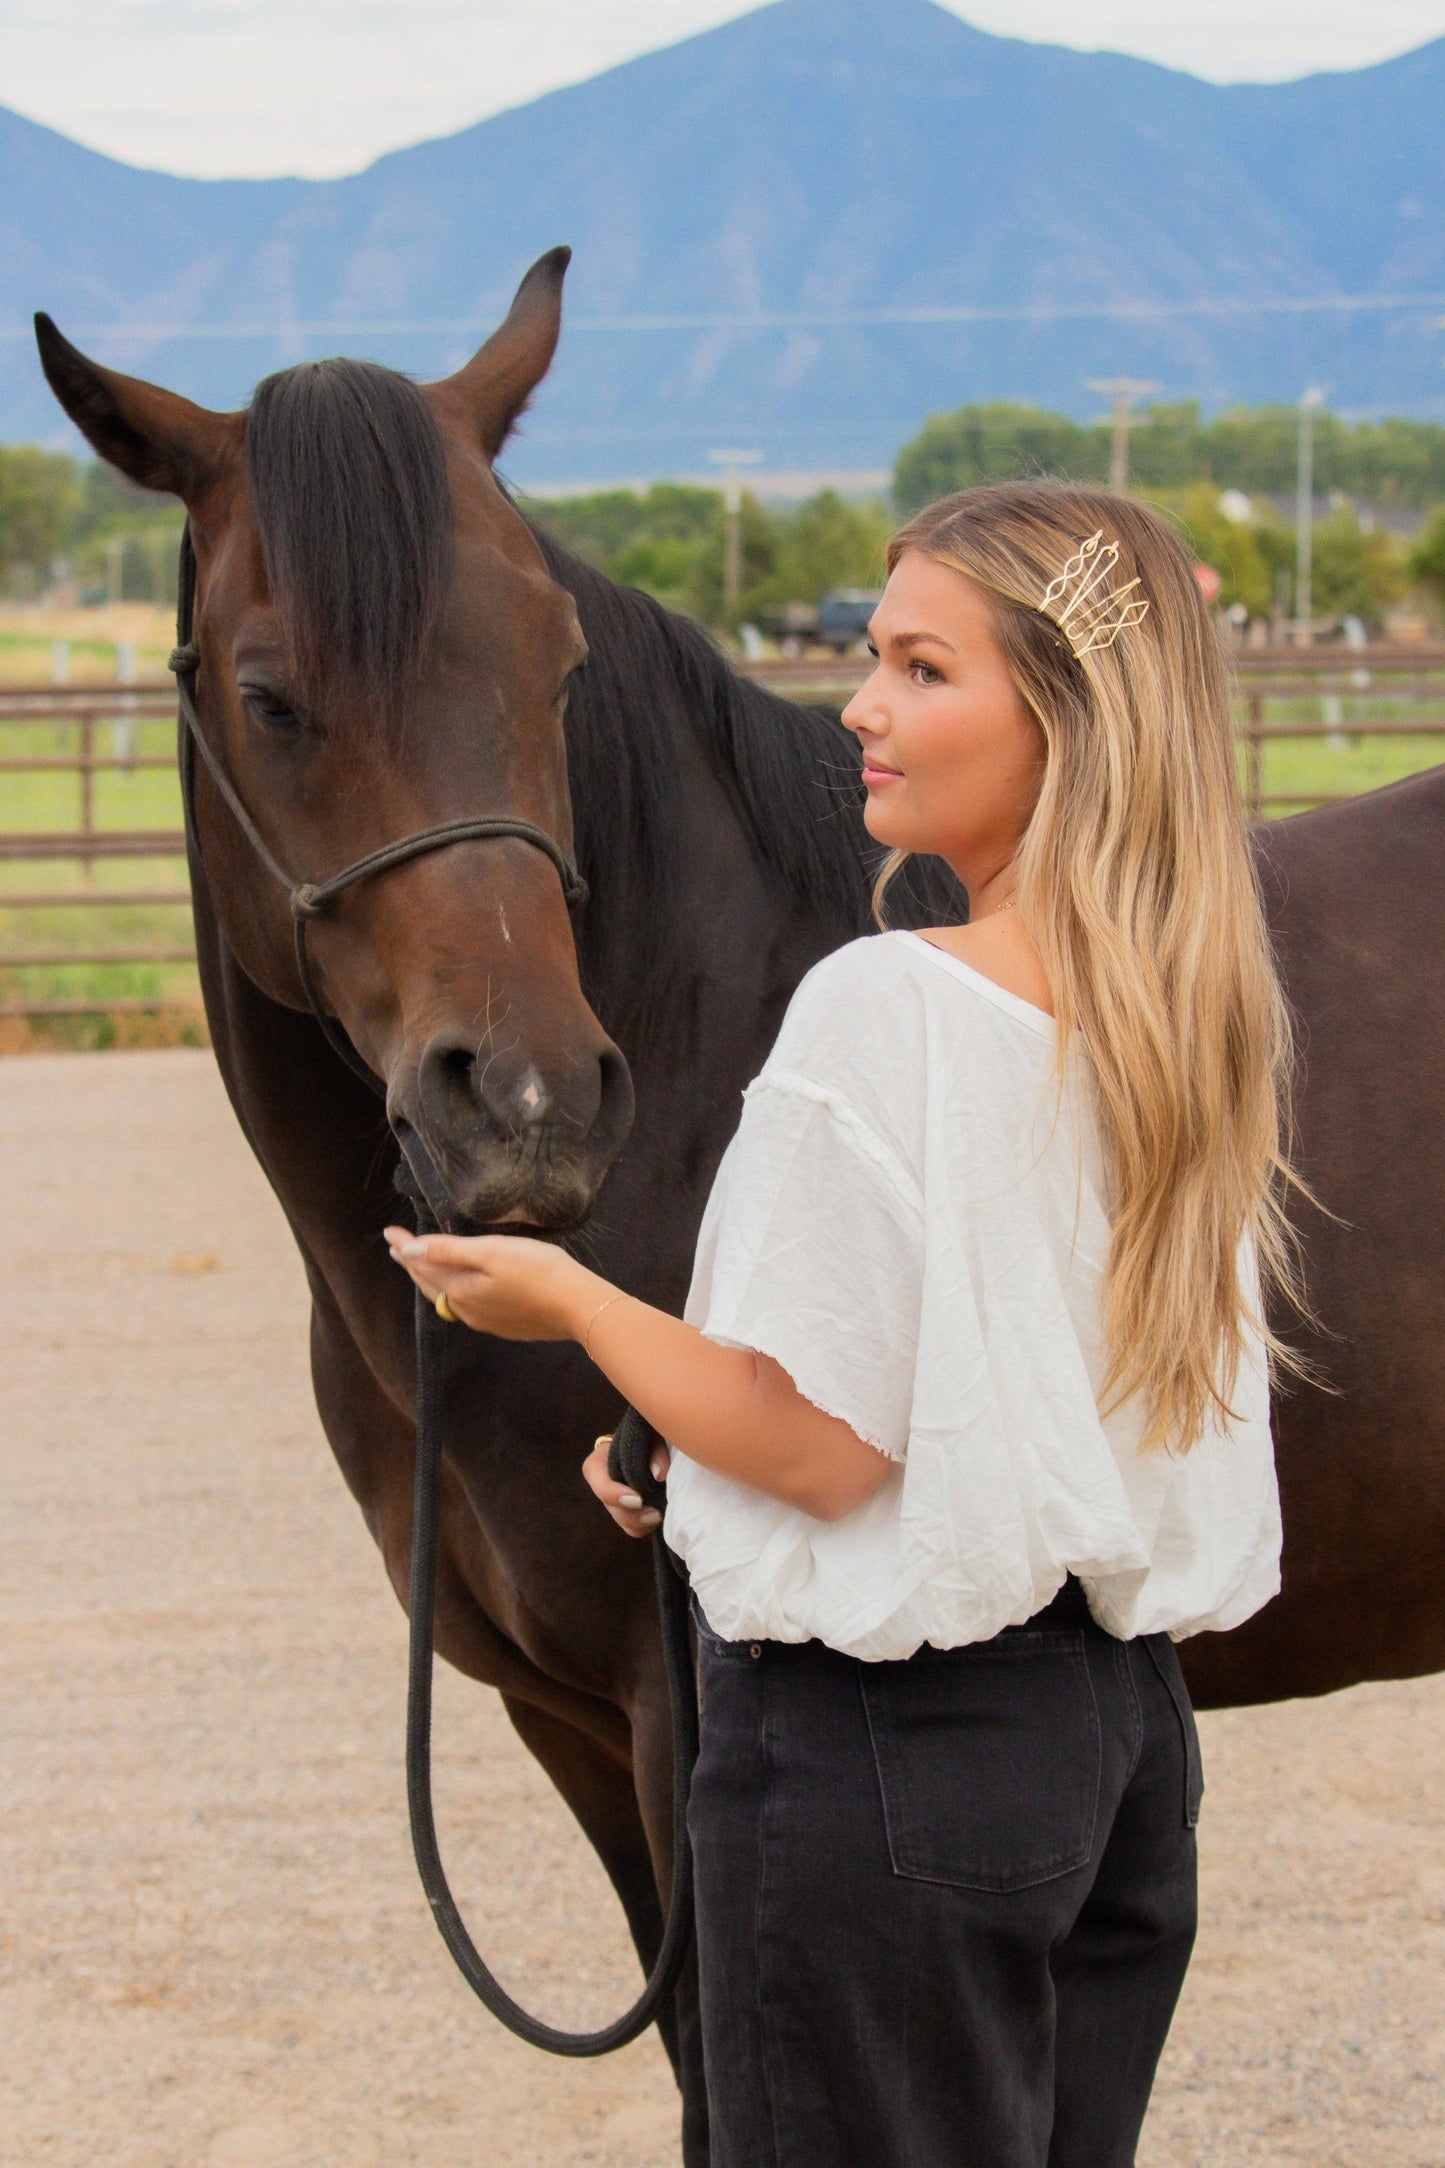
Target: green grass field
x=145, y=798
x=150, y=799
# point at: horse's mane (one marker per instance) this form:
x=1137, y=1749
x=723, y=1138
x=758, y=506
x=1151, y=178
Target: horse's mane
x=656, y=692
x=347, y=472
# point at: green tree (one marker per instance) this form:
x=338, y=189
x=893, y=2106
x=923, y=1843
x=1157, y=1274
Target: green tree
x=1397, y=462
x=667, y=539
x=596, y=527
x=40, y=504
x=1357, y=571
x=992, y=444
x=1232, y=547
x=825, y=543
x=1168, y=448
x=1427, y=559
x=1256, y=449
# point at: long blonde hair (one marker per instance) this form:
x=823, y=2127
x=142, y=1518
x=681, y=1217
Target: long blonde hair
x=1136, y=884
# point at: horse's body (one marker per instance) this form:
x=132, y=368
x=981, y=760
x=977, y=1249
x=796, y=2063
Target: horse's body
x=725, y=854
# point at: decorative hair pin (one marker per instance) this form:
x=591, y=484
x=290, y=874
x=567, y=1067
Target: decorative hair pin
x=1087, y=612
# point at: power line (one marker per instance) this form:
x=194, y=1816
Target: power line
x=1034, y=312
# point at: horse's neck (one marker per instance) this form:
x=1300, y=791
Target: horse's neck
x=701, y=929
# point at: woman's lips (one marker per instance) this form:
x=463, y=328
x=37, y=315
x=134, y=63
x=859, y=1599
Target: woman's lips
x=875, y=772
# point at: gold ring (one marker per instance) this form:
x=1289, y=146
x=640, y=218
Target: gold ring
x=445, y=1311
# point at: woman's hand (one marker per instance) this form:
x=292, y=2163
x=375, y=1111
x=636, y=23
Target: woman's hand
x=510, y=1285
x=623, y=1504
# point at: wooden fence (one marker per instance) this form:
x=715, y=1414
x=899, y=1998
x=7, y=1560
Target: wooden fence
x=89, y=717
x=1408, y=682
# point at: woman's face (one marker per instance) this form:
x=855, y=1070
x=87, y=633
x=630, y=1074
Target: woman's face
x=952, y=758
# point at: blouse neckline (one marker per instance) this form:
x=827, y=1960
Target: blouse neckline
x=1027, y=1012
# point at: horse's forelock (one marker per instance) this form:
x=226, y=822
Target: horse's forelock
x=348, y=479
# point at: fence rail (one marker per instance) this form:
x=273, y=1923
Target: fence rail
x=1266, y=679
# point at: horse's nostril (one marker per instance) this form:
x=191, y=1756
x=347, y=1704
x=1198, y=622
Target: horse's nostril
x=465, y=1096
x=615, y=1101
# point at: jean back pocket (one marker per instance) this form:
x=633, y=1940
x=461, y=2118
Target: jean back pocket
x=989, y=1759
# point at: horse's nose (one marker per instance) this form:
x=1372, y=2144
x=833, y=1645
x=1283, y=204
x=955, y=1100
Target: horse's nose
x=460, y=1087
x=502, y=1091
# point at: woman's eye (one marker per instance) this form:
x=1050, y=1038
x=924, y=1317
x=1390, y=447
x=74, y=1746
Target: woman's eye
x=925, y=674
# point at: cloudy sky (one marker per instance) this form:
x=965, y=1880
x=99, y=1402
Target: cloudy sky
x=323, y=86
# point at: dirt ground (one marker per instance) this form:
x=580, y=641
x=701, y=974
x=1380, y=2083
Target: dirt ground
x=213, y=1949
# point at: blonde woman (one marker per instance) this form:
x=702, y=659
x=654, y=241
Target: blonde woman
x=969, y=1417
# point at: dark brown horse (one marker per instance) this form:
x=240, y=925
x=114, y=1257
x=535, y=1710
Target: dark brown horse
x=385, y=644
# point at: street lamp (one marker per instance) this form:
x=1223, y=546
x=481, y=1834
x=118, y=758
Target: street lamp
x=733, y=462
x=1123, y=390
x=1304, y=518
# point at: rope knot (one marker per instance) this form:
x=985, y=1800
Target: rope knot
x=306, y=901
x=182, y=659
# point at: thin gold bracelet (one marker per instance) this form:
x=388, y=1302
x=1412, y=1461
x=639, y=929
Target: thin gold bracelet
x=620, y=1296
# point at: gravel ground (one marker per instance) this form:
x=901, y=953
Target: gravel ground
x=213, y=1951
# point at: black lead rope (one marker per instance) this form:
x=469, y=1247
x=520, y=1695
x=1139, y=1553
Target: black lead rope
x=630, y=1461
x=632, y=1442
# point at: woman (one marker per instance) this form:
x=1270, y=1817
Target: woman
x=969, y=1417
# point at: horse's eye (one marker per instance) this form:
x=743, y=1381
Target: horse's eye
x=271, y=711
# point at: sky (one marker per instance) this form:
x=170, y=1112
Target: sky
x=321, y=87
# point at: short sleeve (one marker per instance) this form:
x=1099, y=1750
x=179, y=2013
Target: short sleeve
x=812, y=1251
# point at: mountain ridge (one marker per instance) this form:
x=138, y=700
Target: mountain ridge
x=814, y=158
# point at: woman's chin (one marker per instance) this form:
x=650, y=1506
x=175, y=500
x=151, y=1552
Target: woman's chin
x=881, y=827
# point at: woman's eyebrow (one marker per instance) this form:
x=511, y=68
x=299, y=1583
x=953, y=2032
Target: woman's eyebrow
x=920, y=639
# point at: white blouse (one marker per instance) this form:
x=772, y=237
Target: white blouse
x=912, y=1221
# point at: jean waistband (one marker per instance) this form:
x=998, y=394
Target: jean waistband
x=1069, y=1608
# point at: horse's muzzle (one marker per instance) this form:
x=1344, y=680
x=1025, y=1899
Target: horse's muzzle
x=501, y=1135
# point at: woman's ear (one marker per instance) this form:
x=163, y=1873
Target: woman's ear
x=159, y=439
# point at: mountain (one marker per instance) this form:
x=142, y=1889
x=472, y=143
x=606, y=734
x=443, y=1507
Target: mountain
x=1015, y=218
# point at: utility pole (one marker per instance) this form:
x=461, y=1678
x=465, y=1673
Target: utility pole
x=1304, y=518
x=733, y=462
x=1123, y=390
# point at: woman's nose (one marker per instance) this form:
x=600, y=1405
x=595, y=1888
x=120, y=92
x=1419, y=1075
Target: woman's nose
x=861, y=715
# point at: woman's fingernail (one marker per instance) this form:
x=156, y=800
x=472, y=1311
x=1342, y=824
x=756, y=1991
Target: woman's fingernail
x=630, y=1499
x=650, y=1517
x=413, y=1248
x=659, y=1469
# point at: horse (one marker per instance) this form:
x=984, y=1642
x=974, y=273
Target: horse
x=385, y=643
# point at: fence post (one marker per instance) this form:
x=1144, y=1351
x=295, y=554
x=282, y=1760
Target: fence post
x=87, y=796
x=1254, y=757
x=123, y=729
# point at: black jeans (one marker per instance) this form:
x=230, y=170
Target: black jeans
x=944, y=1907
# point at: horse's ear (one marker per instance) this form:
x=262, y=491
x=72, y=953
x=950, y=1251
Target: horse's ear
x=502, y=375
x=156, y=437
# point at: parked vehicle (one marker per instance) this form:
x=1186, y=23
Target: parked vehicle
x=844, y=615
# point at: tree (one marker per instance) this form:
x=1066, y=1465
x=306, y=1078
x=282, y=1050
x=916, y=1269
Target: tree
x=1427, y=559
x=1231, y=546
x=40, y=505
x=827, y=543
x=669, y=541
x=1390, y=462
x=1358, y=571
x=1168, y=448
x=992, y=444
